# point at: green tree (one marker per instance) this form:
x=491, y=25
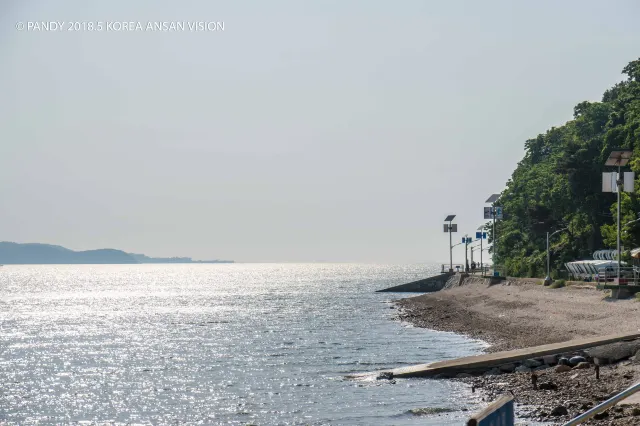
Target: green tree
x=558, y=184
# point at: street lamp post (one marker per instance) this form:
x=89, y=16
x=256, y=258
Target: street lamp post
x=612, y=182
x=450, y=228
x=482, y=235
x=492, y=200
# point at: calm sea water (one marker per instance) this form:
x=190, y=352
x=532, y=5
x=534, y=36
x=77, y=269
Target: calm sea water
x=261, y=344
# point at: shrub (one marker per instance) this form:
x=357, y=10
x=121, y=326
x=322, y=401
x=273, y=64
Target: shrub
x=558, y=284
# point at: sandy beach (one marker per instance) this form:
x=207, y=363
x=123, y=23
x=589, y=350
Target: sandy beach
x=521, y=313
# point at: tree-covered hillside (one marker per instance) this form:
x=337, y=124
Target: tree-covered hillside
x=558, y=184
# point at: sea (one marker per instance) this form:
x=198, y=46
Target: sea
x=219, y=344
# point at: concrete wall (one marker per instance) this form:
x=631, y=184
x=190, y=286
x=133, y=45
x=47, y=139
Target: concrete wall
x=426, y=285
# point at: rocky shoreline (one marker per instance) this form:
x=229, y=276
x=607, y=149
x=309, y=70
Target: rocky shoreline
x=516, y=315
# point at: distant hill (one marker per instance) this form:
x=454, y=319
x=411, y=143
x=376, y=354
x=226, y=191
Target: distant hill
x=34, y=253
x=141, y=258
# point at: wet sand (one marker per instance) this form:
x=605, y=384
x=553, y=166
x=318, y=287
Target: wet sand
x=521, y=313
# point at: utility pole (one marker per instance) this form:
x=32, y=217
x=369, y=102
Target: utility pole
x=493, y=257
x=466, y=246
x=618, y=189
x=493, y=209
x=547, y=281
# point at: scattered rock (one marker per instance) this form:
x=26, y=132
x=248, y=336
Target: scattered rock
x=562, y=368
x=550, y=359
x=385, y=375
x=493, y=372
x=522, y=369
x=507, y=368
x=601, y=416
x=430, y=411
x=576, y=360
x=548, y=386
x=582, y=365
x=560, y=410
x=531, y=363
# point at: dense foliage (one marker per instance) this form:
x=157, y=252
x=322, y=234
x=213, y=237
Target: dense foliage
x=558, y=184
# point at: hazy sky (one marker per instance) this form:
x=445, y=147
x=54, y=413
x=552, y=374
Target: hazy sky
x=305, y=131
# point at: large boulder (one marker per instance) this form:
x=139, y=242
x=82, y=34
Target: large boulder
x=550, y=359
x=614, y=352
x=573, y=361
x=507, y=368
x=531, y=363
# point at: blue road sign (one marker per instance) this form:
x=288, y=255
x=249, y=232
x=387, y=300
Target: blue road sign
x=463, y=240
x=469, y=240
x=484, y=235
x=478, y=235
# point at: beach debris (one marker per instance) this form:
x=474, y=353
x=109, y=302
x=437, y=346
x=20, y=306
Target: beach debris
x=582, y=365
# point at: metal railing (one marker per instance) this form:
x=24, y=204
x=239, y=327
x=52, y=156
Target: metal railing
x=605, y=405
x=628, y=275
x=498, y=413
x=458, y=267
x=501, y=411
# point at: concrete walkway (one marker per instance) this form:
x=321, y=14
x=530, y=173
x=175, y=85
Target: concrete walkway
x=487, y=361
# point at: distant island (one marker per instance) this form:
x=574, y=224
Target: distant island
x=34, y=253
